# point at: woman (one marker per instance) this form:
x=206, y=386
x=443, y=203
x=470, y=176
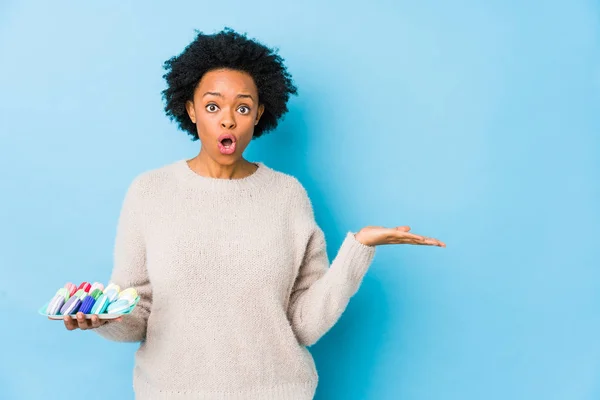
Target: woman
x=226, y=255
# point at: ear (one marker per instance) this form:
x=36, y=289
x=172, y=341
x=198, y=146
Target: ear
x=261, y=110
x=189, y=106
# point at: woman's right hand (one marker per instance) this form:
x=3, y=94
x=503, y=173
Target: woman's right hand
x=82, y=323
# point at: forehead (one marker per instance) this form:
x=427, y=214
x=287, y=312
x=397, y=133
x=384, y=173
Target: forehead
x=227, y=81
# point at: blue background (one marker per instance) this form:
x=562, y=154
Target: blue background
x=477, y=123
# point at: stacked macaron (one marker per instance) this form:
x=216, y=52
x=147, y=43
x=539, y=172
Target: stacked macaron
x=91, y=299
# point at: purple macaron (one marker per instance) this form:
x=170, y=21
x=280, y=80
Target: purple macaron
x=71, y=306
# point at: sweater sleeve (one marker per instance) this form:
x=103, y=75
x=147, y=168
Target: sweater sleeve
x=129, y=269
x=322, y=291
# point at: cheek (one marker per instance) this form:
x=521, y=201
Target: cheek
x=249, y=121
x=206, y=119
x=204, y=128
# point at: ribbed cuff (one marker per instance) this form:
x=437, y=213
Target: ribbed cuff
x=288, y=391
x=353, y=260
x=119, y=331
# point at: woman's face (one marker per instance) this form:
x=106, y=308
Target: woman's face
x=225, y=105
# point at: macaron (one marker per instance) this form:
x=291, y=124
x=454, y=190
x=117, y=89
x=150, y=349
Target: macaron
x=118, y=306
x=71, y=288
x=63, y=292
x=129, y=293
x=96, y=285
x=96, y=293
x=71, y=306
x=100, y=305
x=55, y=304
x=112, y=294
x=85, y=286
x=80, y=293
x=114, y=286
x=86, y=304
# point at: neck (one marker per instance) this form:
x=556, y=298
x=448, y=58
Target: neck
x=204, y=165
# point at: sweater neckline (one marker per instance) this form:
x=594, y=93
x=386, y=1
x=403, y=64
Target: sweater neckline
x=256, y=179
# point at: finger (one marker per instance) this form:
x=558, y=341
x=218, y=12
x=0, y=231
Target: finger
x=435, y=242
x=96, y=321
x=414, y=239
x=426, y=240
x=432, y=242
x=406, y=235
x=70, y=324
x=81, y=321
x=403, y=228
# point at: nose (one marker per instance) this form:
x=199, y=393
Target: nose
x=227, y=121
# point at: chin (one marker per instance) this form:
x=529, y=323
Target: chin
x=228, y=159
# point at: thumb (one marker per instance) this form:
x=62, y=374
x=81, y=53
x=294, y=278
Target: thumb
x=403, y=228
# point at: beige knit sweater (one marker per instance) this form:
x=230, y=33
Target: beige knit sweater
x=234, y=281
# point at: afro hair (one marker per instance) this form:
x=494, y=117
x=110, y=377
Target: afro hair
x=227, y=49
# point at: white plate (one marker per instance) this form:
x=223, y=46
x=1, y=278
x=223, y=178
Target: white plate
x=87, y=316
x=42, y=311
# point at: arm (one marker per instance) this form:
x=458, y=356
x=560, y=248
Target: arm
x=130, y=270
x=321, y=292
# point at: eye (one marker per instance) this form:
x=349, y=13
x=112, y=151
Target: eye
x=247, y=109
x=211, y=107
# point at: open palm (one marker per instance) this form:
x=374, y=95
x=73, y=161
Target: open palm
x=379, y=235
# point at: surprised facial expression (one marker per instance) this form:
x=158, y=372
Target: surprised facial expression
x=225, y=110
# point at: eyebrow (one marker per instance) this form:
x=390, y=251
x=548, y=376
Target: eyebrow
x=241, y=95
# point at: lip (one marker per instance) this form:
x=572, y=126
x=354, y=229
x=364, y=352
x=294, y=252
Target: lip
x=227, y=136
x=231, y=149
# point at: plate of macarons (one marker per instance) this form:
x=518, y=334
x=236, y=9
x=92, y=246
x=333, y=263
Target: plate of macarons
x=108, y=302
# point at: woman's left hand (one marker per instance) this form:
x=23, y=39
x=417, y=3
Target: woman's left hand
x=378, y=235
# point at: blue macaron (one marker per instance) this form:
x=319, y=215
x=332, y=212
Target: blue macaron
x=100, y=305
x=87, y=304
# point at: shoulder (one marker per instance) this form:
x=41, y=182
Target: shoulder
x=152, y=181
x=288, y=184
x=293, y=191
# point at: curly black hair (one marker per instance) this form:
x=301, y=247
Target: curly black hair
x=227, y=49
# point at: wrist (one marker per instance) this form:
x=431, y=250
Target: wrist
x=360, y=238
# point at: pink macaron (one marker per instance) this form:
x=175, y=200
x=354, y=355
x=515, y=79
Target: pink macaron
x=71, y=288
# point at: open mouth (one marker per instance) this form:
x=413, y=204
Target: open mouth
x=227, y=144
